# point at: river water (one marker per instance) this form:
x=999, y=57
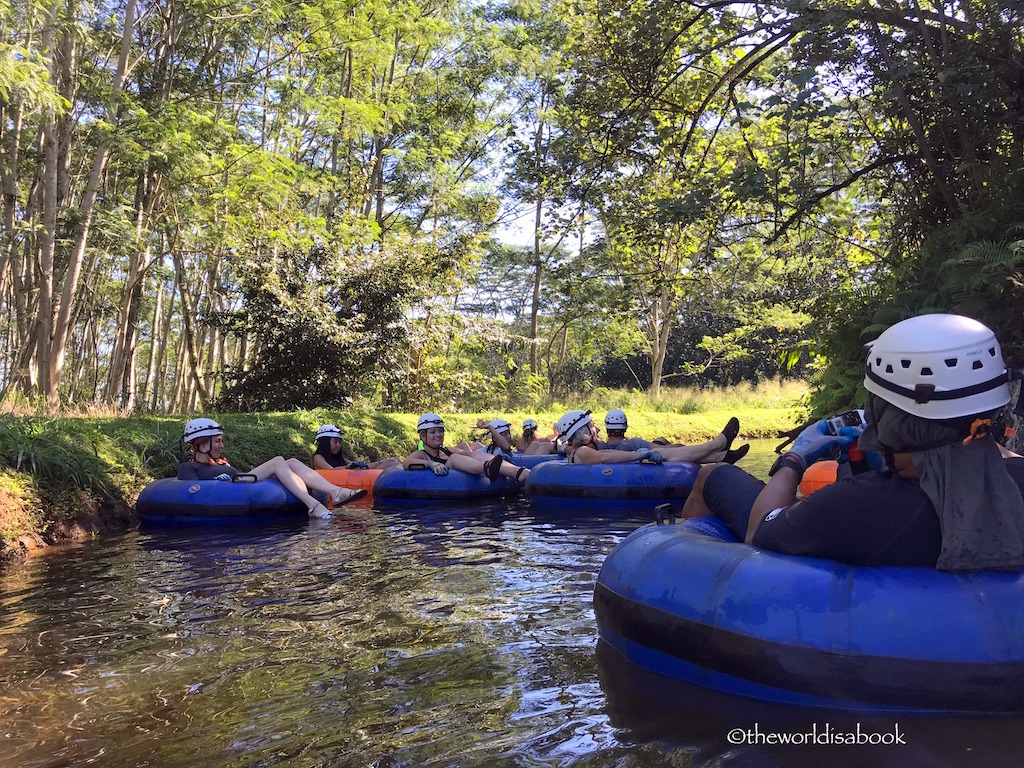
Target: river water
x=455, y=637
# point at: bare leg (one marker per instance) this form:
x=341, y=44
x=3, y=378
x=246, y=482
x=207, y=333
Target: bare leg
x=278, y=467
x=695, y=505
x=385, y=463
x=312, y=478
x=511, y=470
x=468, y=464
x=702, y=452
x=474, y=465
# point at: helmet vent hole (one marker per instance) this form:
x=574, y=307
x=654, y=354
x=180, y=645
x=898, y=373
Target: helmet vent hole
x=977, y=365
x=992, y=351
x=905, y=363
x=926, y=371
x=888, y=369
x=951, y=362
x=878, y=361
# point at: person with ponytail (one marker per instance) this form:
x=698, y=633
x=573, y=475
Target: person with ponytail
x=329, y=455
x=533, y=444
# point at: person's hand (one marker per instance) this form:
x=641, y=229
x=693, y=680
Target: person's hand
x=652, y=456
x=481, y=424
x=224, y=476
x=358, y=465
x=851, y=432
x=438, y=468
x=814, y=442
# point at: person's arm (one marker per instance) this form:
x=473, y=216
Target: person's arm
x=778, y=493
x=416, y=457
x=500, y=441
x=809, y=446
x=587, y=455
x=319, y=462
x=496, y=437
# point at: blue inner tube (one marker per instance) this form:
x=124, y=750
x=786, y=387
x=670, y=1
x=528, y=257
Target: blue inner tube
x=532, y=460
x=198, y=501
x=631, y=487
x=397, y=486
x=529, y=461
x=687, y=601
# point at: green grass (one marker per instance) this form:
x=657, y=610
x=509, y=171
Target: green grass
x=54, y=465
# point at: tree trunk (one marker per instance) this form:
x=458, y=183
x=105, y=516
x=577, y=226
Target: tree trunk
x=10, y=176
x=149, y=384
x=43, y=327
x=159, y=399
x=539, y=154
x=192, y=345
x=61, y=326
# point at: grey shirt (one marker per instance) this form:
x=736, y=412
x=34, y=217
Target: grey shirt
x=193, y=470
x=626, y=444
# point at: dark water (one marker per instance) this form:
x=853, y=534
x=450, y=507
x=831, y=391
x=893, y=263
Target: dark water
x=458, y=637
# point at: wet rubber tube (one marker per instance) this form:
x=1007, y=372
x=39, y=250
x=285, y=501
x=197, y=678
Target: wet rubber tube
x=211, y=501
x=353, y=479
x=632, y=488
x=402, y=487
x=687, y=601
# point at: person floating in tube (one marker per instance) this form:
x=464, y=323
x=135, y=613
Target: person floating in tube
x=438, y=459
x=205, y=438
x=329, y=455
x=948, y=496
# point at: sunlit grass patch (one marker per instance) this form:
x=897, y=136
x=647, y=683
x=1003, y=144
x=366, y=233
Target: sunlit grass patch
x=20, y=509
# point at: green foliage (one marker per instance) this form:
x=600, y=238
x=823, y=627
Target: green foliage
x=324, y=340
x=61, y=455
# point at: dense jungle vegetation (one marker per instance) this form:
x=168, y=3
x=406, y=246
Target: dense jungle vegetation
x=282, y=204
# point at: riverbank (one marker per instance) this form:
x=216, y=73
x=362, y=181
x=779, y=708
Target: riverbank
x=69, y=478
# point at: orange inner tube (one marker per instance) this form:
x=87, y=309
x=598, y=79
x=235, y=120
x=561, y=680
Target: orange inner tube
x=354, y=479
x=817, y=476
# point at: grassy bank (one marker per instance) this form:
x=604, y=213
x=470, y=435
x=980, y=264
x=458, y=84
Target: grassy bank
x=68, y=477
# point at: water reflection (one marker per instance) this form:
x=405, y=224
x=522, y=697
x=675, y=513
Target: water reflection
x=460, y=636
x=648, y=708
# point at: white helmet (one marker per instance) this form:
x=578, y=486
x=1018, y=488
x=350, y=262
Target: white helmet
x=529, y=424
x=201, y=427
x=329, y=430
x=615, y=419
x=500, y=425
x=938, y=367
x=571, y=423
x=428, y=420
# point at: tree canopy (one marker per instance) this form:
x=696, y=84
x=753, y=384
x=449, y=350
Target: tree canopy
x=295, y=204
